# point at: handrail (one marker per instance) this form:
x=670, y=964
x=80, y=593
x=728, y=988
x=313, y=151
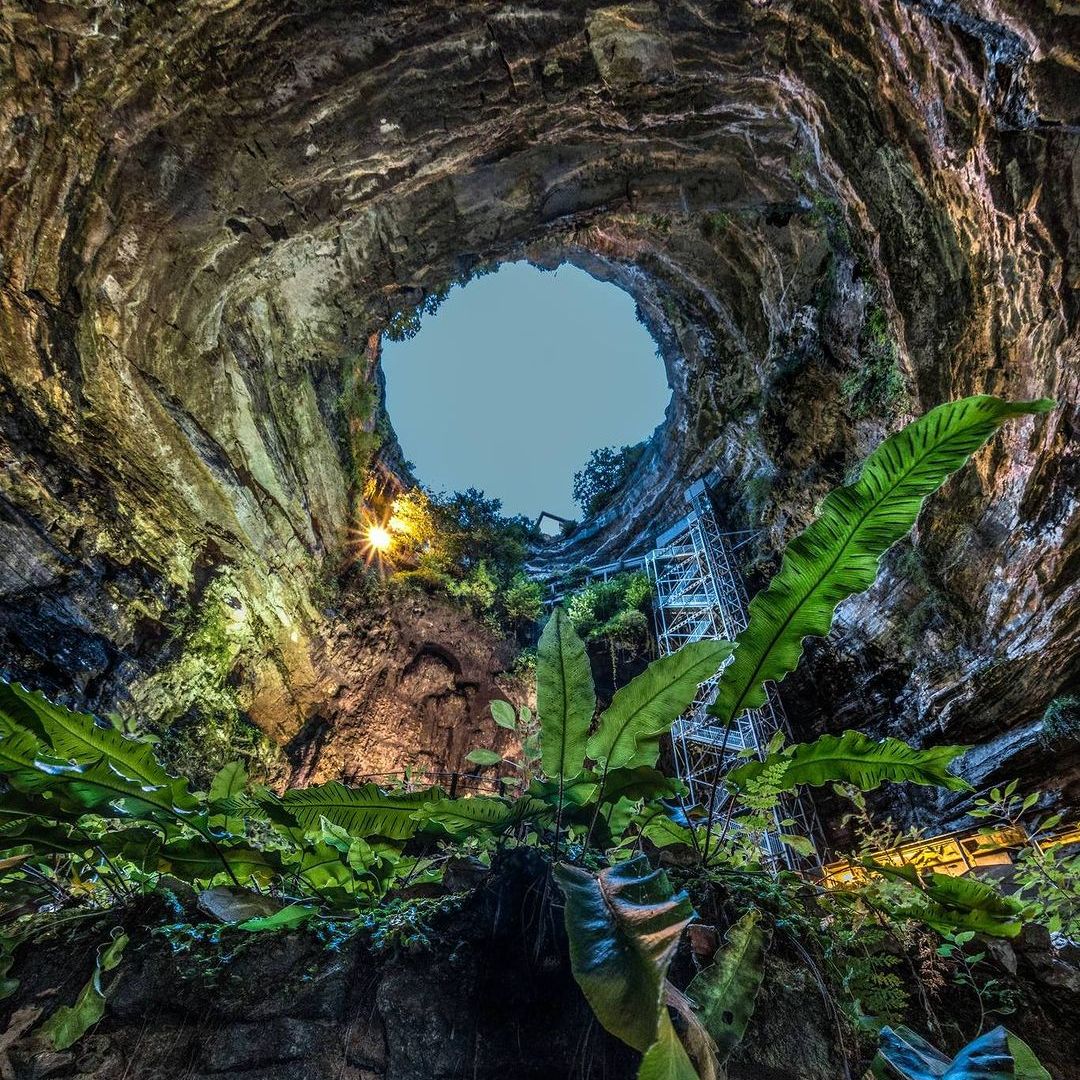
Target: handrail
x=953, y=853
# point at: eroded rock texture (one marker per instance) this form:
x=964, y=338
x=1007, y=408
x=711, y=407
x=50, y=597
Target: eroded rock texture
x=480, y=989
x=833, y=213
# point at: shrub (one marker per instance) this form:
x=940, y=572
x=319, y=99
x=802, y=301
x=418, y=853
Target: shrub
x=463, y=544
x=604, y=474
x=614, y=612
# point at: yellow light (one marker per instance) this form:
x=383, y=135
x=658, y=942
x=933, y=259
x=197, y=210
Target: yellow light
x=378, y=538
x=396, y=524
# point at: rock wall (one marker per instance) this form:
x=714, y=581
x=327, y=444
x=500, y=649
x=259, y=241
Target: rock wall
x=833, y=214
x=481, y=988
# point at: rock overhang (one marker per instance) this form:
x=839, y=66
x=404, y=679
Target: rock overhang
x=213, y=210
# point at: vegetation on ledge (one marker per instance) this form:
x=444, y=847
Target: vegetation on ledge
x=91, y=822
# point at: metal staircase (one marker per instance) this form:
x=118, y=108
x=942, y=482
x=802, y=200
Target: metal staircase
x=699, y=594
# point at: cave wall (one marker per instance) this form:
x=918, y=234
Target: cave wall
x=476, y=984
x=209, y=210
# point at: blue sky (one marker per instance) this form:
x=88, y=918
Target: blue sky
x=516, y=377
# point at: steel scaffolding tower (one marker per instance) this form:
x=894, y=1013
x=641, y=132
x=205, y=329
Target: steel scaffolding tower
x=699, y=594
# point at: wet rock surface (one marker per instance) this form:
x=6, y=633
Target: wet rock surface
x=833, y=214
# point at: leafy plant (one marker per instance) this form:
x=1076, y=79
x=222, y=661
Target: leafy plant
x=1046, y=876
x=614, y=613
x=997, y=1055
x=91, y=817
x=724, y=993
x=838, y=554
x=987, y=990
x=464, y=545
x=600, y=479
x=853, y=758
x=70, y=1022
x=565, y=698
x=624, y=926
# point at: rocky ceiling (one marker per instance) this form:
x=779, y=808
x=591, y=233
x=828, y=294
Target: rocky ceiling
x=210, y=209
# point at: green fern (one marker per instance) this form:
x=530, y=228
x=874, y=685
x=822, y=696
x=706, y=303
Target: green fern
x=838, y=554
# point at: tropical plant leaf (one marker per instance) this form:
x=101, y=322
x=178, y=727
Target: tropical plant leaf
x=78, y=738
x=957, y=903
x=479, y=813
x=578, y=792
x=724, y=993
x=667, y=1059
x=363, y=811
x=1026, y=1066
x=70, y=1022
x=855, y=758
x=565, y=697
x=484, y=757
x=23, y=759
x=98, y=787
x=46, y=747
x=837, y=555
x=288, y=918
x=907, y=1056
x=642, y=782
x=325, y=869
x=624, y=926
x=662, y=831
x=195, y=859
x=628, y=734
x=226, y=788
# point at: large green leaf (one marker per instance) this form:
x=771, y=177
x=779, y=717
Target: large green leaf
x=629, y=731
x=195, y=859
x=578, y=792
x=98, y=787
x=855, y=758
x=228, y=785
x=624, y=926
x=70, y=1022
x=662, y=831
x=45, y=746
x=904, y=1055
x=948, y=903
x=77, y=737
x=724, y=993
x=288, y=918
x=363, y=811
x=565, y=697
x=642, y=782
x=479, y=813
x=837, y=555
x=1026, y=1066
x=42, y=837
x=23, y=760
x=666, y=1059
x=323, y=868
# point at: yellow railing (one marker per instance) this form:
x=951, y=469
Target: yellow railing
x=953, y=853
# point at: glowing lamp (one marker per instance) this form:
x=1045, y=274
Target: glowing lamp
x=378, y=538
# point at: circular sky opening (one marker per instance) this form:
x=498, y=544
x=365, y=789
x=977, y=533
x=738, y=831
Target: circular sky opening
x=516, y=378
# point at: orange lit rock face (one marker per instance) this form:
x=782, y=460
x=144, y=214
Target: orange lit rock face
x=206, y=215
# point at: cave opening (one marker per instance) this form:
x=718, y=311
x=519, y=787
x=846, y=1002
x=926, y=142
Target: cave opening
x=540, y=387
x=324, y=814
